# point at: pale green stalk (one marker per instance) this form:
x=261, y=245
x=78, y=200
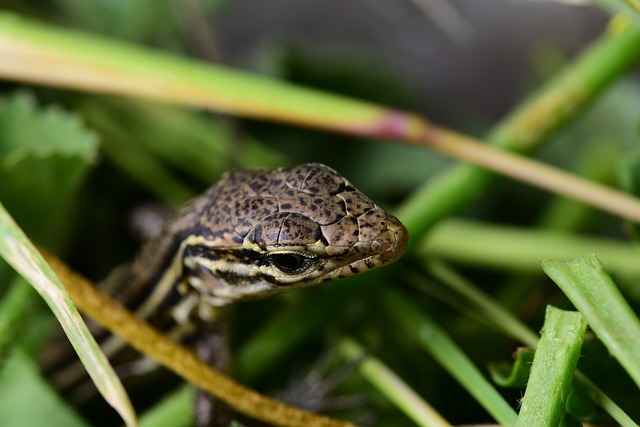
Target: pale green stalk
x=18, y=251
x=517, y=249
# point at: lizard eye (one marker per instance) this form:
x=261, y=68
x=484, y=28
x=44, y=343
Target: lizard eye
x=289, y=262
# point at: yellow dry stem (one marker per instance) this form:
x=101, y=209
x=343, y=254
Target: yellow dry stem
x=144, y=338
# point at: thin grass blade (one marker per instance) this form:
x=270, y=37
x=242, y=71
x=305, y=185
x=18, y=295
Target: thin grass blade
x=18, y=251
x=396, y=390
x=437, y=342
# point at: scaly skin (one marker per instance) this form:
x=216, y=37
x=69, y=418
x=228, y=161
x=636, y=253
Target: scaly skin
x=251, y=234
x=256, y=232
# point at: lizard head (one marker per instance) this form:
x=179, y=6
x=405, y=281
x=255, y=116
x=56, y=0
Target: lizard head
x=265, y=231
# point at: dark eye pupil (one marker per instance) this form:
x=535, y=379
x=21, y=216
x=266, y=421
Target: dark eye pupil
x=288, y=262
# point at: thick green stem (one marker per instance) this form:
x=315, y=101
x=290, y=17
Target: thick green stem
x=590, y=288
x=553, y=367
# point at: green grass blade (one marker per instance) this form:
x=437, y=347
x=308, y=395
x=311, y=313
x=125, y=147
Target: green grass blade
x=481, y=303
x=588, y=285
x=16, y=249
x=553, y=367
x=602, y=400
x=487, y=307
x=393, y=387
x=437, y=342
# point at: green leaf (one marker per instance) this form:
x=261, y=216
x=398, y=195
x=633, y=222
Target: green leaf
x=26, y=399
x=553, y=368
x=590, y=288
x=44, y=152
x=18, y=251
